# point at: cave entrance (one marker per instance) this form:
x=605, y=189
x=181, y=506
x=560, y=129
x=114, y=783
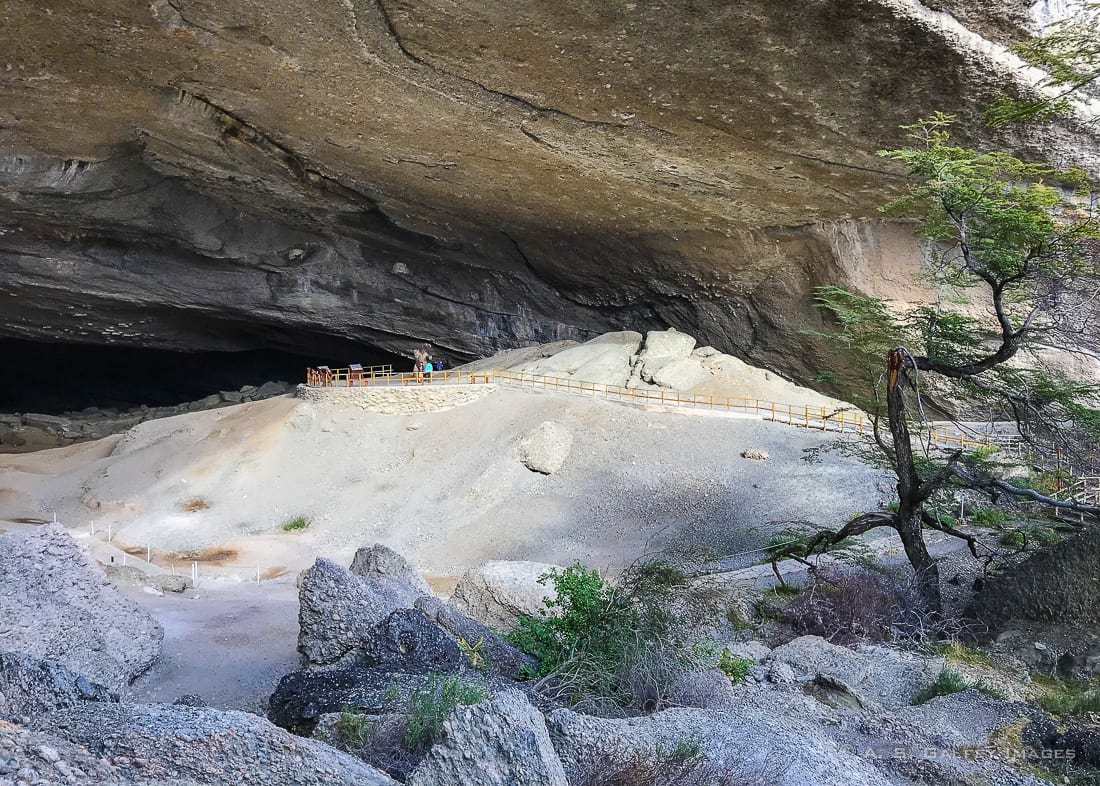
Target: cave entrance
x=55, y=378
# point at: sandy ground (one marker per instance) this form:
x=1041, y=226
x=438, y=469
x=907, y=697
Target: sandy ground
x=445, y=488
x=228, y=645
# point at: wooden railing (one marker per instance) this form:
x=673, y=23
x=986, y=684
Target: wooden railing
x=323, y=376
x=384, y=376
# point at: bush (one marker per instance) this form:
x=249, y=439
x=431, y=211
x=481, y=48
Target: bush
x=1071, y=698
x=947, y=682
x=611, y=645
x=432, y=704
x=851, y=606
x=295, y=524
x=737, y=669
x=379, y=741
x=989, y=517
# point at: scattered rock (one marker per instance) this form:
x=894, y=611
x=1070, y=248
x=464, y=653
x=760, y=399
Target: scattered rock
x=753, y=650
x=148, y=742
x=755, y=454
x=338, y=610
x=966, y=719
x=30, y=687
x=56, y=603
x=500, y=742
x=499, y=592
x=31, y=757
x=545, y=449
x=190, y=700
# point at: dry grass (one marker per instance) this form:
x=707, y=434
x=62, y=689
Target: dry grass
x=214, y=554
x=273, y=572
x=194, y=505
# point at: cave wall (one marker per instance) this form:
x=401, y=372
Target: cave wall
x=478, y=174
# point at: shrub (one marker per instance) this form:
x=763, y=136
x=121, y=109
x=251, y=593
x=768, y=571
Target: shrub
x=1070, y=697
x=947, y=682
x=295, y=524
x=989, y=517
x=737, y=669
x=960, y=653
x=849, y=606
x=1029, y=537
x=603, y=642
x=432, y=704
x=354, y=729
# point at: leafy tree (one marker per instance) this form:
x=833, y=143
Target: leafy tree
x=1017, y=249
x=1069, y=52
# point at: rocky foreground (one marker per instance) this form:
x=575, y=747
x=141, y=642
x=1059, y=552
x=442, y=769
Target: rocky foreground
x=374, y=642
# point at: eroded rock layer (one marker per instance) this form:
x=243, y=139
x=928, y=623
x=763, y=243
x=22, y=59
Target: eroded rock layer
x=231, y=174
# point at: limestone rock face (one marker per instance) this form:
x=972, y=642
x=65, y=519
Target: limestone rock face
x=500, y=742
x=546, y=448
x=162, y=742
x=243, y=176
x=499, y=592
x=56, y=604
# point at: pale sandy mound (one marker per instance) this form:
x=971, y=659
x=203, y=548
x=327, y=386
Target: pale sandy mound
x=447, y=489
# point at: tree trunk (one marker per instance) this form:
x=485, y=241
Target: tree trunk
x=909, y=500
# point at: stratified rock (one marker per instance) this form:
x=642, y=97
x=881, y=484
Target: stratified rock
x=497, y=655
x=499, y=742
x=408, y=641
x=56, y=604
x=337, y=610
x=888, y=677
x=1059, y=584
x=499, y=592
x=546, y=448
x=378, y=560
x=30, y=687
x=205, y=746
x=302, y=697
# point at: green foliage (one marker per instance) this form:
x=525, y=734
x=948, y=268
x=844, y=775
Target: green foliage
x=1067, y=697
x=296, y=524
x=734, y=667
x=432, y=704
x=989, y=517
x=1030, y=536
x=947, y=682
x=960, y=653
x=1069, y=52
x=354, y=729
x=686, y=749
x=474, y=653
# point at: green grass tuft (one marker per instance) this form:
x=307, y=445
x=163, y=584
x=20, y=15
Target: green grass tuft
x=737, y=669
x=432, y=704
x=296, y=524
x=949, y=681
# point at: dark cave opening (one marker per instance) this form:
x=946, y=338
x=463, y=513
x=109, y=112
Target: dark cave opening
x=54, y=378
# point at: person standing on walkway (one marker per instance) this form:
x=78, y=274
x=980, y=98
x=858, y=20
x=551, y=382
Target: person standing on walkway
x=420, y=360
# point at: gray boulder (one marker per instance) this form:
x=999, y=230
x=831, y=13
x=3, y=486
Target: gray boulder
x=302, y=697
x=662, y=347
x=32, y=757
x=408, y=641
x=337, y=610
x=56, y=604
x=743, y=743
x=499, y=592
x=966, y=719
x=876, y=675
x=500, y=742
x=30, y=687
x=497, y=655
x=378, y=561
x=161, y=742
x=546, y=448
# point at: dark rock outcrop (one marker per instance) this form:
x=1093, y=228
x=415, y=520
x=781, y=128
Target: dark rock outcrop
x=56, y=604
x=496, y=654
x=243, y=176
x=408, y=641
x=1059, y=584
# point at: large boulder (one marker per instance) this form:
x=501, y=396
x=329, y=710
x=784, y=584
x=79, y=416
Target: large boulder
x=161, y=742
x=1059, y=584
x=545, y=449
x=302, y=697
x=496, y=654
x=500, y=742
x=682, y=374
x=378, y=561
x=30, y=686
x=408, y=641
x=604, y=360
x=338, y=610
x=745, y=744
x=876, y=675
x=661, y=348
x=56, y=604
x=499, y=592
x=32, y=757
